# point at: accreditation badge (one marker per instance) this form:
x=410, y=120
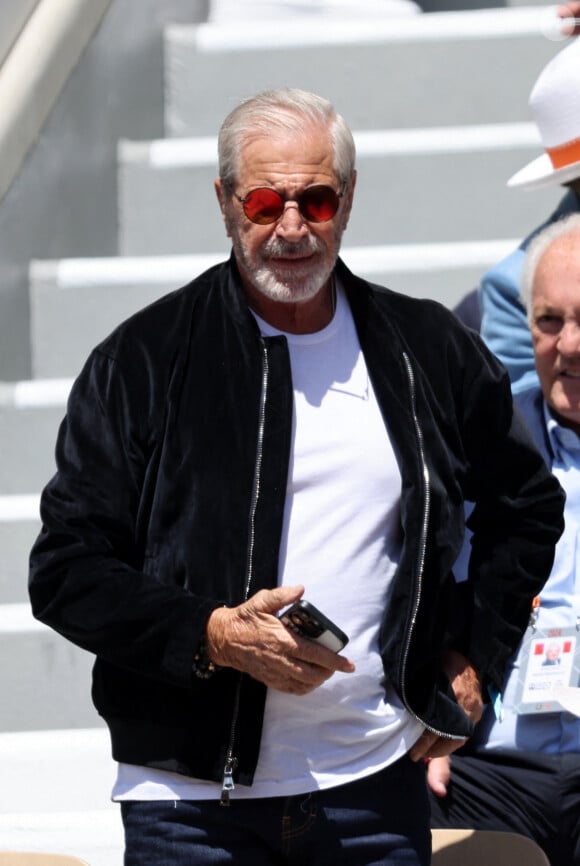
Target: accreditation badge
x=549, y=665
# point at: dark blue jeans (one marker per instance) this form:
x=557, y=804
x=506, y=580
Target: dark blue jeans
x=379, y=821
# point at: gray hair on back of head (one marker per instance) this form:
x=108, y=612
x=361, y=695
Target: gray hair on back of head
x=285, y=110
x=539, y=244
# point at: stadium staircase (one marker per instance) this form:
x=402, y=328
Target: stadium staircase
x=438, y=103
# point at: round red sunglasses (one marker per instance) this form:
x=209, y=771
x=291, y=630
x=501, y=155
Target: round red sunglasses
x=265, y=205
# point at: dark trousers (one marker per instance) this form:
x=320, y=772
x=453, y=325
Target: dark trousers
x=382, y=820
x=523, y=792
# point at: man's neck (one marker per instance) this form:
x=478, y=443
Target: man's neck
x=303, y=317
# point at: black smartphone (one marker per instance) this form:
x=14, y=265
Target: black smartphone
x=307, y=621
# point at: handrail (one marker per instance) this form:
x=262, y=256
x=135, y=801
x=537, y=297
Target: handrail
x=35, y=72
x=13, y=17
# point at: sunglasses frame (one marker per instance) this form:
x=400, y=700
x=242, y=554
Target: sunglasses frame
x=283, y=199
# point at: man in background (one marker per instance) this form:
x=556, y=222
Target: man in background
x=555, y=106
x=521, y=772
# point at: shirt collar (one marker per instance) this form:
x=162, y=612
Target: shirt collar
x=565, y=443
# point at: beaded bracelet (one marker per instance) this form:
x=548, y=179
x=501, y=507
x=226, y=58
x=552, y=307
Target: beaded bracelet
x=203, y=667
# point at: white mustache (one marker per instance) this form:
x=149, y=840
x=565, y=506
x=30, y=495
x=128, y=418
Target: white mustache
x=277, y=247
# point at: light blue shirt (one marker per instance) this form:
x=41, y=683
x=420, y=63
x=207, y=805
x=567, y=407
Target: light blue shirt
x=552, y=733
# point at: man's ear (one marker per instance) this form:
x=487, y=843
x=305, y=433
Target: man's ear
x=220, y=193
x=349, y=198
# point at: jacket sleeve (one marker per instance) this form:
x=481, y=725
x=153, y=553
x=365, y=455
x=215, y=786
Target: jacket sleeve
x=88, y=575
x=516, y=521
x=504, y=325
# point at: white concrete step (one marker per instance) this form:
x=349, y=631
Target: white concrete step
x=45, y=681
x=16, y=540
x=226, y=11
x=55, y=795
x=444, y=68
x=19, y=526
x=76, y=302
x=30, y=414
x=413, y=185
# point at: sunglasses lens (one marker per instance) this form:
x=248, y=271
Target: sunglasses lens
x=318, y=204
x=263, y=206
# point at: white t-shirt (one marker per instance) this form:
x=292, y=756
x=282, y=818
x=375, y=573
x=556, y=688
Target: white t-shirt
x=341, y=540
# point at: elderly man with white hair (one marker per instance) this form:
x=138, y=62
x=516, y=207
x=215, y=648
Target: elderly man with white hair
x=280, y=427
x=521, y=772
x=555, y=106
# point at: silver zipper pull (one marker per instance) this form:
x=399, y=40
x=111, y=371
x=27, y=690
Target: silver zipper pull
x=228, y=784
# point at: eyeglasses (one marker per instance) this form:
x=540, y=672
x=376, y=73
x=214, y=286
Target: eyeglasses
x=265, y=205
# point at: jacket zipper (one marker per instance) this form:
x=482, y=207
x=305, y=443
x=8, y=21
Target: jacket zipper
x=421, y=550
x=228, y=784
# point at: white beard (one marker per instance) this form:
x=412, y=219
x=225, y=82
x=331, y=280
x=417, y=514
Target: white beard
x=298, y=284
x=296, y=288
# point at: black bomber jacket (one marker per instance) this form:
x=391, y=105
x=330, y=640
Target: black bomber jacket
x=168, y=499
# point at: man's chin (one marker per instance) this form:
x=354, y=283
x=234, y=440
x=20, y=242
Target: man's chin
x=291, y=297
x=289, y=291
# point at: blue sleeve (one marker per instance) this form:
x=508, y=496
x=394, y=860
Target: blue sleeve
x=504, y=324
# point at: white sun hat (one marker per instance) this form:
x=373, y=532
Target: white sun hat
x=555, y=106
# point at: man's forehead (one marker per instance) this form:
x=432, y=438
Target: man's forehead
x=557, y=279
x=280, y=156
x=308, y=138
x=563, y=254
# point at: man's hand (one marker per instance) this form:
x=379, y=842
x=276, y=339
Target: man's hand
x=251, y=638
x=465, y=683
x=438, y=775
x=571, y=13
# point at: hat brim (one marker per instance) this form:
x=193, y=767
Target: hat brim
x=540, y=172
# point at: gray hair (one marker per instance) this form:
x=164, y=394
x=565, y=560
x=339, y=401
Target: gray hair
x=540, y=244
x=285, y=110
